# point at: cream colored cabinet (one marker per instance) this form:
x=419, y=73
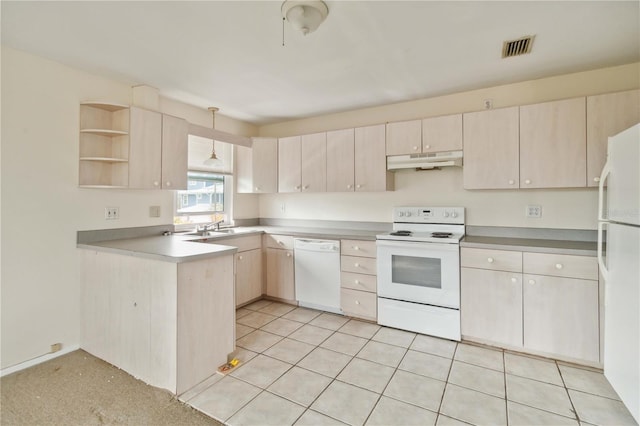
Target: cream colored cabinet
x=607, y=115
x=157, y=142
x=289, y=164
x=491, y=296
x=136, y=310
x=491, y=149
x=370, y=167
x=248, y=276
x=404, y=137
x=280, y=266
x=442, y=133
x=341, y=160
x=104, y=145
x=314, y=162
x=358, y=297
x=553, y=152
x=256, y=169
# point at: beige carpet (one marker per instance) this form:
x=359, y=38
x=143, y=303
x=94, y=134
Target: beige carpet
x=80, y=389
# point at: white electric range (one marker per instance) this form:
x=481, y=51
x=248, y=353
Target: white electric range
x=419, y=271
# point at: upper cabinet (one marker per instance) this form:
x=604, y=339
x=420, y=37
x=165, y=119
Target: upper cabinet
x=314, y=162
x=491, y=149
x=289, y=165
x=104, y=145
x=157, y=142
x=553, y=149
x=370, y=167
x=404, y=137
x=340, y=160
x=442, y=133
x=607, y=115
x=257, y=167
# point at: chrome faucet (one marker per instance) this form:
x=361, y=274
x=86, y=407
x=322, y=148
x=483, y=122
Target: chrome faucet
x=207, y=227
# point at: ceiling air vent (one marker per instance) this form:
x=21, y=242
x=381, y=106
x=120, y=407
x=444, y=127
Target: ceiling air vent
x=521, y=46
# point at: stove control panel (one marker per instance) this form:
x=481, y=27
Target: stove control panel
x=453, y=215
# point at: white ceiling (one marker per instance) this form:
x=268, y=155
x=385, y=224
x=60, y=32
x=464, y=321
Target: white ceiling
x=230, y=54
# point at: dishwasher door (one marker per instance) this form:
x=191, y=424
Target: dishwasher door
x=317, y=274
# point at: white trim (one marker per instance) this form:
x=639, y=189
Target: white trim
x=38, y=360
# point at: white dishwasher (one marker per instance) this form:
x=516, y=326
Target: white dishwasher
x=317, y=274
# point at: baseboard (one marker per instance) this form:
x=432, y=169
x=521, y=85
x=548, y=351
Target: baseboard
x=38, y=360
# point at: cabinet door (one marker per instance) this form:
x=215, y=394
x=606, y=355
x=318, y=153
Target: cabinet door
x=404, y=137
x=248, y=276
x=561, y=316
x=553, y=147
x=145, y=149
x=314, y=162
x=265, y=165
x=442, y=133
x=491, y=149
x=607, y=115
x=340, y=160
x=289, y=162
x=280, y=282
x=371, y=172
x=175, y=136
x=491, y=306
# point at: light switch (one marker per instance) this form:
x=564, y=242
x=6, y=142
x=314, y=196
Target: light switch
x=154, y=211
x=534, y=211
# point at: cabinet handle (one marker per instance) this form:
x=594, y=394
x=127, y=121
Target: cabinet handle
x=156, y=183
x=527, y=181
x=490, y=260
x=427, y=146
x=357, y=265
x=358, y=186
x=167, y=183
x=356, y=248
x=356, y=281
x=305, y=187
x=357, y=302
x=297, y=187
x=288, y=254
x=349, y=186
x=532, y=282
x=240, y=257
x=559, y=266
x=415, y=148
x=257, y=188
x=596, y=179
x=511, y=181
x=514, y=280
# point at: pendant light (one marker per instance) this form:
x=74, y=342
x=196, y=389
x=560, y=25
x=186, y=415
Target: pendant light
x=213, y=160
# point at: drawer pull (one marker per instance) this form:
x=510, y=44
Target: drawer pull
x=168, y=183
x=305, y=187
x=558, y=265
x=357, y=302
x=156, y=183
x=356, y=281
x=514, y=280
x=415, y=148
x=596, y=179
x=357, y=265
x=349, y=186
x=511, y=181
x=532, y=282
x=356, y=248
x=490, y=260
x=240, y=257
x=288, y=254
x=527, y=181
x=358, y=186
x=427, y=146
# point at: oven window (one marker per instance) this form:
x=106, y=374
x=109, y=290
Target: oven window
x=418, y=271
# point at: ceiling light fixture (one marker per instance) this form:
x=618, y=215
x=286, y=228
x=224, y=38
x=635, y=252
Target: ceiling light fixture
x=213, y=159
x=305, y=16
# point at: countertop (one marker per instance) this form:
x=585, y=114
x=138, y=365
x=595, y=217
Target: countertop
x=577, y=248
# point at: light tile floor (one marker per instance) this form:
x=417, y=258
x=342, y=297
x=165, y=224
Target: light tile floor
x=306, y=367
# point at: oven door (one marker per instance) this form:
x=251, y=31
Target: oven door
x=419, y=272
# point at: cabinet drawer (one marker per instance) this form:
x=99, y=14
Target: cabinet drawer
x=358, y=248
x=359, y=304
x=561, y=265
x=498, y=260
x=360, y=282
x=248, y=242
x=278, y=241
x=359, y=265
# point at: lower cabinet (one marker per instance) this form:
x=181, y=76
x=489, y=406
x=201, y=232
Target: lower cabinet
x=248, y=276
x=280, y=266
x=548, y=304
x=164, y=323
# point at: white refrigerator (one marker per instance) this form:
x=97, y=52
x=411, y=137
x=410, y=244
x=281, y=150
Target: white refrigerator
x=619, y=263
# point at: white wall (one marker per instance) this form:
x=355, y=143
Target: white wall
x=562, y=208
x=42, y=206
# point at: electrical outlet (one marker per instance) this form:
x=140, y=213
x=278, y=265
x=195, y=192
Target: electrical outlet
x=282, y=208
x=154, y=211
x=534, y=211
x=488, y=103
x=111, y=213
x=56, y=347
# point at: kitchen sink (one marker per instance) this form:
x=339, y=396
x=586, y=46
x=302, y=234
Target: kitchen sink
x=218, y=233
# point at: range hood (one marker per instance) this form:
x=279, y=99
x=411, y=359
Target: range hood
x=425, y=161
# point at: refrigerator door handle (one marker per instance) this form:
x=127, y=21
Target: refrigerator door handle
x=603, y=177
x=603, y=268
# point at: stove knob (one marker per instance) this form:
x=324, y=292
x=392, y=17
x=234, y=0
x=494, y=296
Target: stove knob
x=445, y=214
x=401, y=214
x=454, y=214
x=408, y=214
